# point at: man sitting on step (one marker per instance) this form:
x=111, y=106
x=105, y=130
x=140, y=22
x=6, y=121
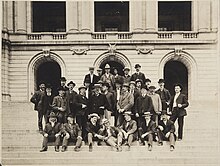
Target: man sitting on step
x=52, y=132
x=147, y=130
x=111, y=135
x=129, y=129
x=71, y=131
x=92, y=128
x=166, y=130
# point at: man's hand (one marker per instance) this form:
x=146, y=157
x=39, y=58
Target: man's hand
x=84, y=106
x=167, y=134
x=57, y=135
x=67, y=136
x=137, y=115
x=102, y=107
x=143, y=135
x=126, y=135
x=160, y=127
x=45, y=135
x=179, y=105
x=61, y=109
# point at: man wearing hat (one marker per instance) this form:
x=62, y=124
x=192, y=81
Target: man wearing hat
x=147, y=130
x=126, y=77
x=91, y=78
x=166, y=130
x=92, y=128
x=71, y=97
x=71, y=132
x=82, y=109
x=137, y=74
x=164, y=94
x=110, y=99
x=63, y=83
x=139, y=84
x=157, y=105
x=35, y=99
x=108, y=77
x=147, y=83
x=87, y=85
x=117, y=76
x=143, y=104
x=45, y=105
x=51, y=132
x=98, y=102
x=60, y=105
x=133, y=91
x=178, y=103
x=125, y=103
x=129, y=129
x=99, y=72
x=111, y=135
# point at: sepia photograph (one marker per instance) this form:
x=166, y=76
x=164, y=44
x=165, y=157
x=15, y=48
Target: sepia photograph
x=110, y=83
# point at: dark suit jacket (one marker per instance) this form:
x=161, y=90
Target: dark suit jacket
x=180, y=100
x=131, y=128
x=45, y=103
x=79, y=101
x=151, y=128
x=59, y=101
x=111, y=100
x=71, y=101
x=95, y=102
x=136, y=76
x=143, y=104
x=74, y=130
x=166, y=94
x=52, y=130
x=127, y=79
x=94, y=81
x=169, y=127
x=126, y=101
x=114, y=131
x=36, y=98
x=90, y=128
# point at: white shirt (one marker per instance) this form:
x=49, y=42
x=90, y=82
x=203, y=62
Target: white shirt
x=118, y=94
x=174, y=101
x=147, y=122
x=91, y=77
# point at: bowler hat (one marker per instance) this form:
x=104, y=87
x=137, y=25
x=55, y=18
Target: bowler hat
x=147, y=114
x=60, y=88
x=71, y=82
x=91, y=68
x=41, y=82
x=178, y=84
x=126, y=68
x=107, y=66
x=138, y=80
x=137, y=65
x=62, y=79
x=70, y=115
x=93, y=115
x=128, y=113
x=147, y=80
x=81, y=87
x=161, y=81
x=152, y=87
x=48, y=86
x=52, y=115
x=132, y=82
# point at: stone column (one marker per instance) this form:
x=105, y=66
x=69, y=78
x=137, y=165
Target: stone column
x=136, y=15
x=10, y=16
x=151, y=16
x=21, y=16
x=204, y=15
x=4, y=15
x=86, y=15
x=215, y=15
x=72, y=23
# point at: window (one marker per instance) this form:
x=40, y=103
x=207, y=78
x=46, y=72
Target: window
x=174, y=16
x=49, y=16
x=111, y=16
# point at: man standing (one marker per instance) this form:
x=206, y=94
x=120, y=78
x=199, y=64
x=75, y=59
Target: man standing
x=82, y=109
x=110, y=99
x=91, y=77
x=52, y=132
x=60, y=105
x=71, y=98
x=138, y=74
x=129, y=129
x=147, y=130
x=147, y=83
x=127, y=77
x=166, y=130
x=178, y=104
x=117, y=76
x=157, y=106
x=63, y=83
x=35, y=99
x=108, y=78
x=98, y=102
x=143, y=104
x=139, y=84
x=99, y=72
x=164, y=94
x=71, y=131
x=125, y=103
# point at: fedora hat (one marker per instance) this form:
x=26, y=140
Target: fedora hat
x=161, y=81
x=93, y=115
x=147, y=114
x=126, y=68
x=137, y=65
x=107, y=66
x=82, y=87
x=71, y=82
x=62, y=79
x=128, y=113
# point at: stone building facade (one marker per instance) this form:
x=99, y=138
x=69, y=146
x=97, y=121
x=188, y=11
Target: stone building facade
x=189, y=56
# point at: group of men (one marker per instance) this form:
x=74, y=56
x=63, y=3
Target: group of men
x=141, y=113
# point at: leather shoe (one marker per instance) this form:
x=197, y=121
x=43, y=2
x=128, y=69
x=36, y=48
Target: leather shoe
x=57, y=149
x=179, y=139
x=149, y=147
x=63, y=149
x=171, y=148
x=119, y=148
x=90, y=148
x=160, y=144
x=77, y=149
x=43, y=149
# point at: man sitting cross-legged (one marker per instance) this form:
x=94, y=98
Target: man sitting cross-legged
x=111, y=135
x=71, y=131
x=147, y=130
x=52, y=131
x=166, y=130
x=129, y=129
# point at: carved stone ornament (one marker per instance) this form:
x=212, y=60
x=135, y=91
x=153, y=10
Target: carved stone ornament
x=79, y=51
x=112, y=49
x=46, y=52
x=144, y=50
x=177, y=53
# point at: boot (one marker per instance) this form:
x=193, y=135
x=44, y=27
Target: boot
x=43, y=149
x=90, y=147
x=63, y=149
x=57, y=149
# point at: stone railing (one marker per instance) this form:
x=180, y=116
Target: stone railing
x=99, y=35
x=190, y=34
x=165, y=35
x=111, y=35
x=47, y=36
